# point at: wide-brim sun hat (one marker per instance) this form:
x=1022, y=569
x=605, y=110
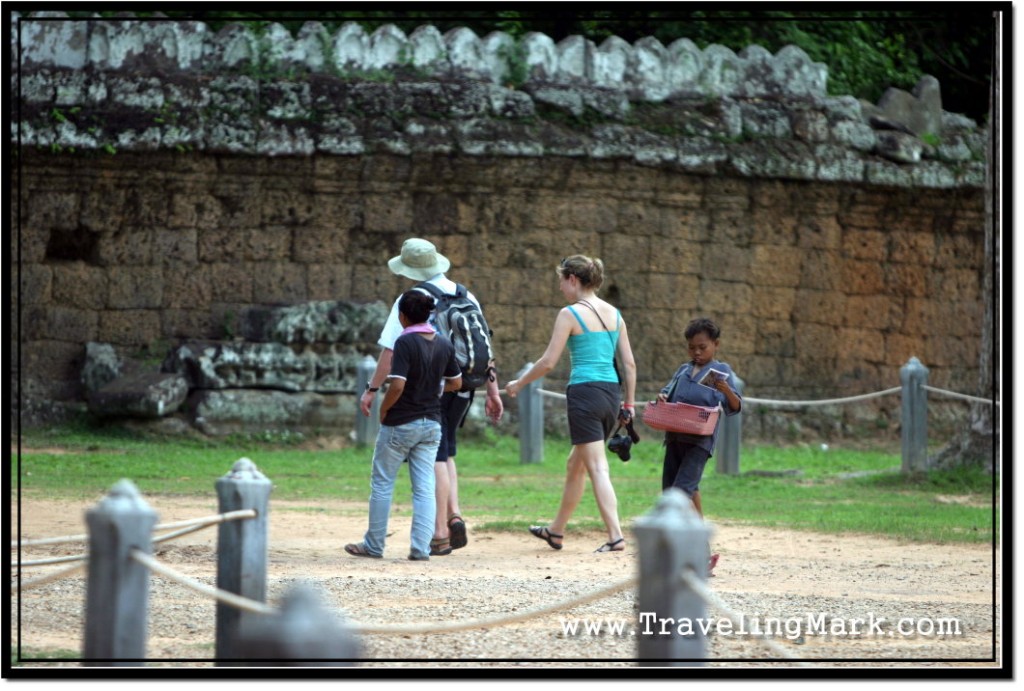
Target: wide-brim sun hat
x=419, y=260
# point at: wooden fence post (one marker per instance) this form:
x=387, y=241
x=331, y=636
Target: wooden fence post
x=672, y=538
x=117, y=590
x=914, y=416
x=241, y=550
x=367, y=427
x=531, y=419
x=728, y=461
x=302, y=634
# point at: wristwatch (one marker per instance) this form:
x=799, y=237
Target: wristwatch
x=371, y=389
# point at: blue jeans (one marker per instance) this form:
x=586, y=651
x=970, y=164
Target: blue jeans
x=416, y=441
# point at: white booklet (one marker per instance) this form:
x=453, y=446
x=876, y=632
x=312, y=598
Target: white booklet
x=712, y=377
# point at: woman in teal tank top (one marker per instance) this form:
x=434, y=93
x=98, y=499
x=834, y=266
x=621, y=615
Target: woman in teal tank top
x=595, y=333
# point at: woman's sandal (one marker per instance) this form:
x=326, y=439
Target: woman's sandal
x=610, y=546
x=358, y=549
x=440, y=546
x=457, y=527
x=542, y=532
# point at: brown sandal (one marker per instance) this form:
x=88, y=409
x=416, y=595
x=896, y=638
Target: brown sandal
x=457, y=527
x=439, y=547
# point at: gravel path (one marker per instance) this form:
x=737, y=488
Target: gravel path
x=813, y=586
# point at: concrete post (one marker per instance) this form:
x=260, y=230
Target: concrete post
x=117, y=590
x=303, y=634
x=728, y=449
x=531, y=420
x=672, y=538
x=241, y=550
x=366, y=427
x=914, y=416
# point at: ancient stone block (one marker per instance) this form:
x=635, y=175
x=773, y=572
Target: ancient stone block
x=135, y=287
x=820, y=306
x=226, y=244
x=101, y=366
x=128, y=327
x=34, y=284
x=821, y=232
x=911, y=248
x=776, y=265
x=220, y=413
x=387, y=214
x=187, y=323
x=143, y=394
x=779, y=337
x=862, y=344
x=328, y=281
x=880, y=312
x=56, y=323
x=773, y=227
x=240, y=365
x=278, y=282
x=774, y=303
x=126, y=246
x=187, y=286
x=230, y=282
x=862, y=278
x=865, y=244
x=900, y=348
x=78, y=285
x=315, y=322
x=174, y=246
x=906, y=280
x=671, y=290
x=818, y=339
x=724, y=296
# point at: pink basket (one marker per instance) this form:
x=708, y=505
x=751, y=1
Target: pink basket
x=680, y=417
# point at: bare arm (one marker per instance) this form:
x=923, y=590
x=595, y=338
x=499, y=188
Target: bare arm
x=559, y=337
x=628, y=366
x=493, y=406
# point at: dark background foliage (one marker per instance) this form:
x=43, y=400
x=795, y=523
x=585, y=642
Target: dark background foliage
x=866, y=51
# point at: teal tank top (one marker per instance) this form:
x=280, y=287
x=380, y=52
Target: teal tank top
x=591, y=353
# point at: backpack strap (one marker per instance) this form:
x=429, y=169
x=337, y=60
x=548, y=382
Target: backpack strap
x=430, y=288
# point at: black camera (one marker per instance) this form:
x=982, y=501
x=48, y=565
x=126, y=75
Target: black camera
x=622, y=443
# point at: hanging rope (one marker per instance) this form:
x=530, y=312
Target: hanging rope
x=199, y=523
x=962, y=396
x=705, y=593
x=237, y=601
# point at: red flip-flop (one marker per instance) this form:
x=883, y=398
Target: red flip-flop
x=712, y=562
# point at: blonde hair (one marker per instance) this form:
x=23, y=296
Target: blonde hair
x=589, y=271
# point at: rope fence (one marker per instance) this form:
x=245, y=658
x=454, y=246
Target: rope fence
x=242, y=603
x=693, y=581
x=913, y=415
x=671, y=537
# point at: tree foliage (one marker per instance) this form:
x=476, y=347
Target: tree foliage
x=866, y=52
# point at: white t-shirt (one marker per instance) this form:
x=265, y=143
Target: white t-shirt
x=393, y=328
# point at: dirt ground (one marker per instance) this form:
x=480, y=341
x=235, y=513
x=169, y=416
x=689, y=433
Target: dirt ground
x=916, y=594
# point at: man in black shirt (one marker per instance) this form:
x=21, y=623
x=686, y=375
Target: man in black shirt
x=423, y=366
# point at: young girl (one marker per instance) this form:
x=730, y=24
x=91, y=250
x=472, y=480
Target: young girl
x=687, y=454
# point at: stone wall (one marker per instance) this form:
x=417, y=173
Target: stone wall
x=157, y=201
x=822, y=290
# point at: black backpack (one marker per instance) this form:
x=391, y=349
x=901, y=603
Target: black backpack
x=458, y=318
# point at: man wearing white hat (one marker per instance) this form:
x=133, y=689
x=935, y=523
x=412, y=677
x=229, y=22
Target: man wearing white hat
x=420, y=261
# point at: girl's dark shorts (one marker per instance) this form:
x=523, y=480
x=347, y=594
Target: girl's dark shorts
x=593, y=409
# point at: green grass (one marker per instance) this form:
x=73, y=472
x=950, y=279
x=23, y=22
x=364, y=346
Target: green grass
x=834, y=491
